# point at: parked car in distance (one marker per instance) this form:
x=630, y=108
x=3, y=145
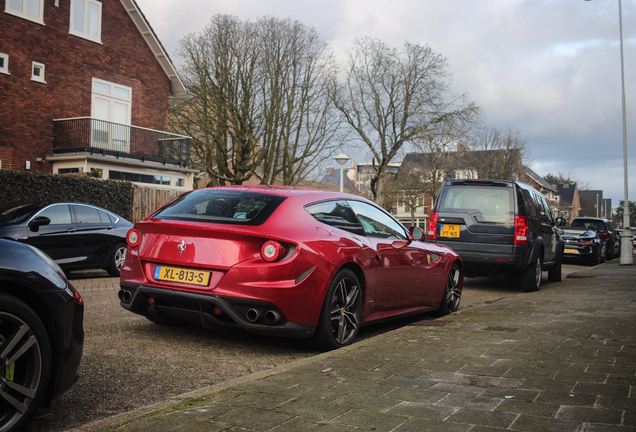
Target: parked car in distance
x=75, y=235
x=41, y=333
x=582, y=244
x=605, y=230
x=284, y=261
x=500, y=228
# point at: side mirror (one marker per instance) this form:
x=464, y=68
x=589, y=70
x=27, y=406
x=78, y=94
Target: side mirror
x=39, y=221
x=561, y=222
x=416, y=233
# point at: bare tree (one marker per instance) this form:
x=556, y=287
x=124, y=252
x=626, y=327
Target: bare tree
x=407, y=187
x=392, y=97
x=497, y=154
x=262, y=99
x=301, y=124
x=219, y=66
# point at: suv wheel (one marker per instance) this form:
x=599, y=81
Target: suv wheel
x=531, y=278
x=610, y=252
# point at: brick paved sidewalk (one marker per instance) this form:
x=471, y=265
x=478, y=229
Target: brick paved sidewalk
x=564, y=362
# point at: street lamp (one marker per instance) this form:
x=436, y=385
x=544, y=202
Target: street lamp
x=627, y=248
x=342, y=159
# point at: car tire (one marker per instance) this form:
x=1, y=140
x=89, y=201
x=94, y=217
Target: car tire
x=554, y=274
x=531, y=277
x=452, y=292
x=610, y=253
x=23, y=384
x=341, y=312
x=117, y=259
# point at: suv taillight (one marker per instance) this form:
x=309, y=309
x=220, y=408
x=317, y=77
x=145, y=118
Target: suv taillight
x=432, y=226
x=603, y=234
x=521, y=231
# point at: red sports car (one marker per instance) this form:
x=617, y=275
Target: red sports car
x=283, y=261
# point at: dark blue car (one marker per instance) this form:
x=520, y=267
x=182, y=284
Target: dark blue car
x=41, y=333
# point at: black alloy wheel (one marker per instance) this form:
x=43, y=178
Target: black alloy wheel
x=25, y=363
x=452, y=292
x=340, y=317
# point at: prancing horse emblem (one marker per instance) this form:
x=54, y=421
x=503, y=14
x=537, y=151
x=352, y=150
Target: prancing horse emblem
x=182, y=247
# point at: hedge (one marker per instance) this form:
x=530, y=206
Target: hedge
x=21, y=186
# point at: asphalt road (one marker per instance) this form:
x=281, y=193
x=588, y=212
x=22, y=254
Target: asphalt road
x=130, y=362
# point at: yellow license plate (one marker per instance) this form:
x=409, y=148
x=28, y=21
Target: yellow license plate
x=570, y=251
x=181, y=275
x=446, y=230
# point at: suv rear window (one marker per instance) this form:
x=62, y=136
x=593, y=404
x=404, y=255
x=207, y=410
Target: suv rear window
x=219, y=206
x=484, y=204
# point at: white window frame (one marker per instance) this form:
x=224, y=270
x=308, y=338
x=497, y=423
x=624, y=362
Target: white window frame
x=5, y=68
x=38, y=78
x=23, y=13
x=83, y=34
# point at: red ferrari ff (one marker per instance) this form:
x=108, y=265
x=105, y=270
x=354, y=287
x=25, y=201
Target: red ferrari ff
x=283, y=261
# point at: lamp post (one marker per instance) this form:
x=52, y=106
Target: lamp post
x=342, y=159
x=627, y=248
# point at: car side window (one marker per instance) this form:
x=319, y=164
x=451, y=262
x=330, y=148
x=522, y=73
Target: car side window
x=86, y=215
x=60, y=214
x=376, y=223
x=336, y=214
x=546, y=209
x=531, y=210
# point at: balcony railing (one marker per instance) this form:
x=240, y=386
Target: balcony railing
x=108, y=138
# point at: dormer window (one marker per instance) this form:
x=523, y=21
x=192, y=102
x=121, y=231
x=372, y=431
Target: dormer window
x=33, y=10
x=86, y=19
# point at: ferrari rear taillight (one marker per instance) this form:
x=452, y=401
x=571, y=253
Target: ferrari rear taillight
x=133, y=237
x=271, y=250
x=432, y=226
x=521, y=231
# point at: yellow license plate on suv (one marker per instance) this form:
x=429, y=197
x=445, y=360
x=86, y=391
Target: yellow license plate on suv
x=447, y=230
x=181, y=275
x=570, y=251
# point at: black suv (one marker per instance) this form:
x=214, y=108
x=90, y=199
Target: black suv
x=500, y=228
x=605, y=231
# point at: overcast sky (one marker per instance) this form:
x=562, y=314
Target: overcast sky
x=548, y=68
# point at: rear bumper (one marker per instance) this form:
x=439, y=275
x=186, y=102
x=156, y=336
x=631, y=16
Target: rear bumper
x=211, y=311
x=503, y=259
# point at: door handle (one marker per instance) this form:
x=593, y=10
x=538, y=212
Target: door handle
x=71, y=230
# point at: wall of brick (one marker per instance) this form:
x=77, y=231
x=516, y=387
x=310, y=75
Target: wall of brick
x=29, y=107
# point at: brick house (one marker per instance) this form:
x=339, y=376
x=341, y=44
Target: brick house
x=85, y=88
x=568, y=201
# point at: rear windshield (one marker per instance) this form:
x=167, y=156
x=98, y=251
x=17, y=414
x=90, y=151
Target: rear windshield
x=484, y=204
x=221, y=206
x=17, y=213
x=582, y=223
x=579, y=231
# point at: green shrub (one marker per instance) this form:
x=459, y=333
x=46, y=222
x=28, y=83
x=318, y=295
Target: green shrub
x=21, y=186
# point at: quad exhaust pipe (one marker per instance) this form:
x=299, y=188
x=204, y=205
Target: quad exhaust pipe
x=270, y=317
x=253, y=315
